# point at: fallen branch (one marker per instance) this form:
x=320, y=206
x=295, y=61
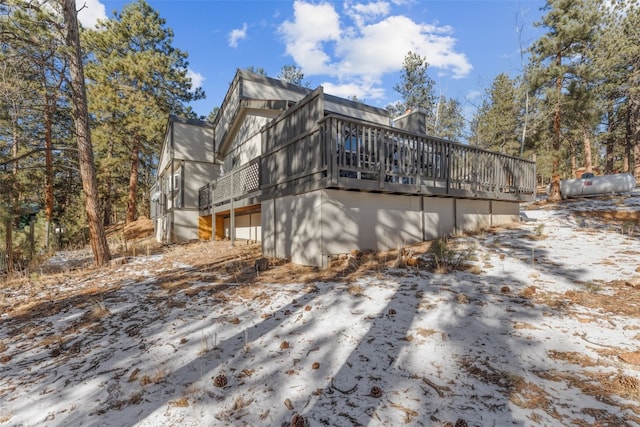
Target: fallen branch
x=584, y=337
x=438, y=388
x=410, y=414
x=351, y=390
x=313, y=349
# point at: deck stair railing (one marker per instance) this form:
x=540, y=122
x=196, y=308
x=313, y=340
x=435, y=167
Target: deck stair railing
x=237, y=184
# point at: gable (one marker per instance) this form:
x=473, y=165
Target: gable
x=186, y=139
x=255, y=95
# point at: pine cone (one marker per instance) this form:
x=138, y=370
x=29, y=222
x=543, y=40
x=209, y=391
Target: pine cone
x=461, y=423
x=298, y=421
x=220, y=381
x=375, y=391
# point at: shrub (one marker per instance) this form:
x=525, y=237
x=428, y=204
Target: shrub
x=446, y=258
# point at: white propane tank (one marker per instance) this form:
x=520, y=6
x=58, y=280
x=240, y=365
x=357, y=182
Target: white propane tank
x=594, y=185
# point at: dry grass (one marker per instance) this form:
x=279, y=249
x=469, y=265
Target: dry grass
x=183, y=402
x=602, y=386
x=519, y=391
x=623, y=299
x=573, y=357
x=426, y=333
x=212, y=262
x=224, y=272
x=156, y=377
x=611, y=216
x=356, y=290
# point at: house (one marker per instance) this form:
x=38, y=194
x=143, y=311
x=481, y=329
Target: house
x=311, y=176
x=186, y=163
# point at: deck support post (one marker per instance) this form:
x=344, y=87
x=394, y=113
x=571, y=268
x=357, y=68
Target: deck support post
x=232, y=218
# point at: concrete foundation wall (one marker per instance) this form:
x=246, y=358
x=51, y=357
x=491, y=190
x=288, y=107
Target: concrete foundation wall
x=291, y=228
x=308, y=228
x=439, y=217
x=504, y=212
x=368, y=221
x=472, y=214
x=267, y=217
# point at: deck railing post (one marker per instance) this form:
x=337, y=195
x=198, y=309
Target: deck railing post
x=447, y=167
x=232, y=218
x=417, y=163
x=212, y=189
x=381, y=158
x=333, y=150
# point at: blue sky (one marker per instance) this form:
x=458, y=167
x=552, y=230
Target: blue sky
x=348, y=47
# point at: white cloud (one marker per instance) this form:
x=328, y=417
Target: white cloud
x=236, y=35
x=196, y=78
x=90, y=12
x=361, y=13
x=474, y=95
x=364, y=92
x=374, y=44
x=313, y=26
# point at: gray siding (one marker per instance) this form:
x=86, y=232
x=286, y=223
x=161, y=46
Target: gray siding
x=192, y=142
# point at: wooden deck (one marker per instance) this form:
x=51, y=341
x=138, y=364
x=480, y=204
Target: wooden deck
x=304, y=151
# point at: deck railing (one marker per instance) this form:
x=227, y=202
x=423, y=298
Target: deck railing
x=340, y=152
x=237, y=184
x=381, y=158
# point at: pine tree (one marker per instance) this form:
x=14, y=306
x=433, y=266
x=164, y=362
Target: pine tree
x=137, y=78
x=556, y=62
x=97, y=234
x=619, y=61
x=292, y=74
x=449, y=121
x=495, y=126
x=33, y=67
x=416, y=87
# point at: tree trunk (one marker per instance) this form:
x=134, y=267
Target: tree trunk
x=610, y=145
x=626, y=162
x=133, y=181
x=586, y=139
x=8, y=241
x=554, y=190
x=107, y=205
x=48, y=178
x=634, y=134
x=12, y=196
x=97, y=234
x=636, y=163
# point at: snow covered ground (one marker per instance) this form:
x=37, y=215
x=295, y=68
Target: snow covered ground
x=542, y=328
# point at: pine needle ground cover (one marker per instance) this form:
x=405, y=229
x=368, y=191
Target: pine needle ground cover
x=538, y=324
